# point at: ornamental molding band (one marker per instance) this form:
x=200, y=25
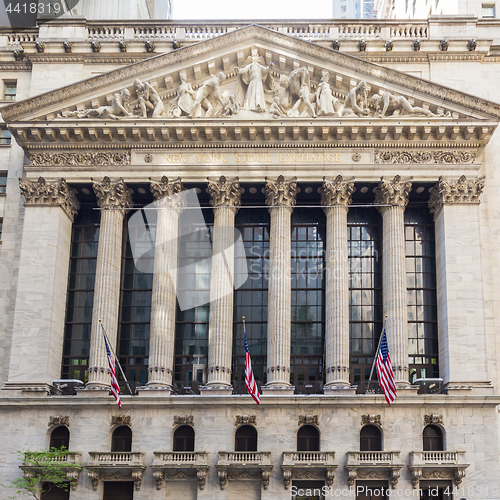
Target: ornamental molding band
x=246, y=419
x=224, y=192
x=463, y=191
x=337, y=191
x=44, y=193
x=371, y=419
x=112, y=194
x=56, y=420
x=79, y=159
x=308, y=420
x=425, y=157
x=393, y=192
x=281, y=192
x=121, y=420
x=184, y=420
x=433, y=419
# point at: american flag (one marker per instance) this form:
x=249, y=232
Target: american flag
x=384, y=371
x=249, y=380
x=115, y=388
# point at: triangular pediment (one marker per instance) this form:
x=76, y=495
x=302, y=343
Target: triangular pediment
x=255, y=104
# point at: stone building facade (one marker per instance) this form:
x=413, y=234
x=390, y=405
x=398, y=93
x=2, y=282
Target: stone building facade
x=324, y=181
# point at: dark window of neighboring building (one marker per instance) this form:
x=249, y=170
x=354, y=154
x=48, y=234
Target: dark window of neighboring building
x=308, y=438
x=9, y=90
x=250, y=300
x=5, y=137
x=59, y=437
x=421, y=292
x=370, y=439
x=365, y=289
x=245, y=438
x=488, y=10
x=308, y=295
x=80, y=300
x=3, y=182
x=433, y=438
x=184, y=438
x=1, y=228
x=51, y=492
x=118, y=490
x=135, y=312
x=121, y=439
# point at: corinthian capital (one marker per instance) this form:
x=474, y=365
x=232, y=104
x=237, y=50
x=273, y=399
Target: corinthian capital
x=281, y=192
x=337, y=191
x=393, y=192
x=50, y=194
x=461, y=191
x=168, y=193
x=224, y=192
x=112, y=194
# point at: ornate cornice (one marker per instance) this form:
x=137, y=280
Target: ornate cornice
x=112, y=194
x=80, y=159
x=463, y=191
x=427, y=157
x=168, y=192
x=281, y=192
x=224, y=192
x=393, y=192
x=50, y=194
x=337, y=191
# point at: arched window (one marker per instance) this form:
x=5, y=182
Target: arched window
x=184, y=438
x=246, y=439
x=308, y=438
x=433, y=438
x=370, y=438
x=59, y=437
x=121, y=439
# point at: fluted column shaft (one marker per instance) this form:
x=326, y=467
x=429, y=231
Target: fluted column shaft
x=336, y=196
x=394, y=194
x=114, y=200
x=280, y=195
x=225, y=198
x=163, y=301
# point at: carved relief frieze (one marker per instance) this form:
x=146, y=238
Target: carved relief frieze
x=308, y=420
x=371, y=419
x=121, y=420
x=183, y=420
x=433, y=419
x=112, y=194
x=224, y=192
x=79, y=159
x=281, y=192
x=95, y=476
x=393, y=192
x=246, y=419
x=424, y=157
x=337, y=191
x=55, y=420
x=50, y=193
x=243, y=474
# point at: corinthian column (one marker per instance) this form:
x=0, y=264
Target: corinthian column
x=163, y=303
x=225, y=198
x=336, y=197
x=280, y=196
x=393, y=196
x=113, y=198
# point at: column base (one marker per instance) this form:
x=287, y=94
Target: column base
x=278, y=390
x=469, y=388
x=216, y=390
x=407, y=390
x=156, y=391
x=339, y=390
x=29, y=390
x=93, y=392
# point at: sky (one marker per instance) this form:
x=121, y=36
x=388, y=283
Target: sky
x=252, y=9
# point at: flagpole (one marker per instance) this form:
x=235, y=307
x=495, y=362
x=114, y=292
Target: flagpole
x=117, y=360
x=376, y=353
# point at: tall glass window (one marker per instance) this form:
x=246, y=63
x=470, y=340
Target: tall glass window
x=365, y=289
x=421, y=292
x=84, y=241
x=308, y=297
x=250, y=300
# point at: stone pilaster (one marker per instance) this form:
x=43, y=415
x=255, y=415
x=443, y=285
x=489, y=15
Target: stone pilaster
x=281, y=197
x=169, y=202
x=114, y=199
x=460, y=294
x=336, y=198
x=392, y=196
x=225, y=197
x=38, y=331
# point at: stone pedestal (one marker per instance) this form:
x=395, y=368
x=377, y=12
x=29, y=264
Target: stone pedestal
x=392, y=195
x=281, y=197
x=114, y=199
x=39, y=316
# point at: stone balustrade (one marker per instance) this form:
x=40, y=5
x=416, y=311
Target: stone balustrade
x=169, y=466
x=320, y=464
x=127, y=466
x=291, y=458
x=377, y=464
x=115, y=458
x=448, y=464
x=239, y=465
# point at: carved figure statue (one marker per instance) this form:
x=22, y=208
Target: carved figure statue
x=291, y=85
x=326, y=103
x=231, y=107
x=251, y=79
x=148, y=98
x=276, y=110
x=120, y=105
x=303, y=106
x=356, y=102
x=207, y=96
x=387, y=103
x=185, y=97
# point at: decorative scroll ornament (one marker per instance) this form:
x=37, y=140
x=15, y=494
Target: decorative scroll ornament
x=393, y=192
x=281, y=192
x=427, y=157
x=121, y=420
x=55, y=420
x=246, y=419
x=79, y=159
x=337, y=191
x=224, y=192
x=308, y=420
x=168, y=192
x=371, y=419
x=183, y=420
x=433, y=419
x=461, y=191
x=50, y=194
x=112, y=194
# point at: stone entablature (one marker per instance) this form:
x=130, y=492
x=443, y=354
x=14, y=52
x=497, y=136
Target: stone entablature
x=240, y=465
x=373, y=465
x=308, y=465
x=115, y=466
x=172, y=466
x=437, y=465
